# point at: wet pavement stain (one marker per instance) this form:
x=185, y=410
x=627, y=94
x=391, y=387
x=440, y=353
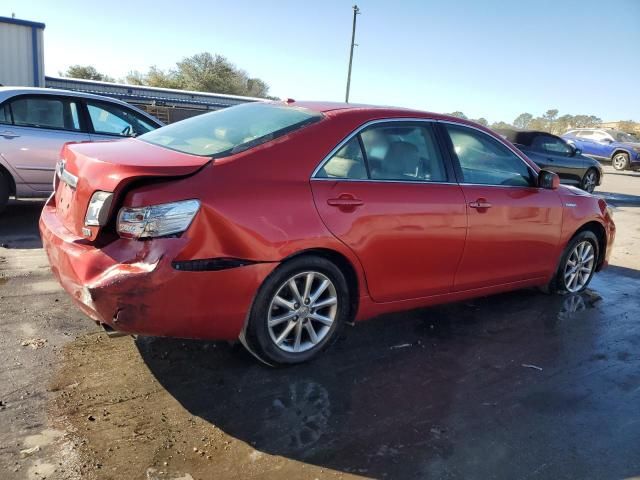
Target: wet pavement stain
x=510, y=386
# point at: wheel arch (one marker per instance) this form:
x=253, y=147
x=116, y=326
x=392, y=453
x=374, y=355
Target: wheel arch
x=345, y=266
x=620, y=150
x=599, y=231
x=10, y=179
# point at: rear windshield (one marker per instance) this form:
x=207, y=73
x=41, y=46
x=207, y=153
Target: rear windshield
x=231, y=130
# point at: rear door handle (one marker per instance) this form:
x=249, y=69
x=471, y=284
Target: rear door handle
x=480, y=203
x=345, y=201
x=8, y=134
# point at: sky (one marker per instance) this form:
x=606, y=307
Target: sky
x=486, y=58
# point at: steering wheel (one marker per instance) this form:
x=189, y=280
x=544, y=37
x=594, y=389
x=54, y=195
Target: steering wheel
x=126, y=131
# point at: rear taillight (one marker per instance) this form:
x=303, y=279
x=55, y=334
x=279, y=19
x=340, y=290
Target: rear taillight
x=157, y=220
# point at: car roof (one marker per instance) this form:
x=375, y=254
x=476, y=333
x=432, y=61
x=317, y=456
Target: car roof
x=522, y=137
x=376, y=111
x=9, y=92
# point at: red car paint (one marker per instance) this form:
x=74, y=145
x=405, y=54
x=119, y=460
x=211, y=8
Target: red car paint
x=408, y=245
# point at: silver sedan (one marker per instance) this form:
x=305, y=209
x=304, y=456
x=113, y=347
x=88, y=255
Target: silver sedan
x=36, y=122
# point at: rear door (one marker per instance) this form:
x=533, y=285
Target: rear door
x=31, y=139
x=389, y=196
x=111, y=121
x=514, y=227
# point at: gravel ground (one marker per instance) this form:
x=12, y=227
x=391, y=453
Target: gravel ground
x=519, y=385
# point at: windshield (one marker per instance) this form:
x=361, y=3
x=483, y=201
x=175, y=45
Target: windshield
x=231, y=130
x=625, y=137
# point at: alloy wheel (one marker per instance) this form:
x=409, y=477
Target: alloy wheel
x=620, y=161
x=579, y=266
x=590, y=180
x=302, y=312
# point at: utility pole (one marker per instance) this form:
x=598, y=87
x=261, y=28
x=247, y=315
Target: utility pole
x=356, y=11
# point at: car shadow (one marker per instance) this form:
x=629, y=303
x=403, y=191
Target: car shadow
x=477, y=389
x=19, y=224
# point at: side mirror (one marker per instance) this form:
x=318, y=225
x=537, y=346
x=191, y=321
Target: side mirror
x=575, y=151
x=548, y=180
x=606, y=140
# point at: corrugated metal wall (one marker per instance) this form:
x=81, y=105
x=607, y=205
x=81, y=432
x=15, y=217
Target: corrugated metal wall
x=16, y=55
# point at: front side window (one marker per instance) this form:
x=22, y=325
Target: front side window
x=45, y=112
x=114, y=120
x=485, y=161
x=551, y=145
x=585, y=134
x=232, y=130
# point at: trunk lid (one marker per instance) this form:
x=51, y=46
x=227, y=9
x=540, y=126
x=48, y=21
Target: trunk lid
x=110, y=166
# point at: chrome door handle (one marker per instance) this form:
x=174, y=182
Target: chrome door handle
x=345, y=202
x=8, y=134
x=480, y=204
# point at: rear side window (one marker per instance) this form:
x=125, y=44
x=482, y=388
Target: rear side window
x=111, y=119
x=348, y=162
x=46, y=112
x=485, y=161
x=403, y=152
x=233, y=129
x=397, y=151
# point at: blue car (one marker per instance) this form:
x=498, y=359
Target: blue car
x=621, y=149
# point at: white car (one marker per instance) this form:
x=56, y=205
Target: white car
x=36, y=122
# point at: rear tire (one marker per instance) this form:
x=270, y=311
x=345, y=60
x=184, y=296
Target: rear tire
x=620, y=161
x=590, y=180
x=4, y=191
x=577, y=264
x=292, y=324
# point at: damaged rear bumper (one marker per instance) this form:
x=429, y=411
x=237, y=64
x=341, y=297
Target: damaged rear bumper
x=131, y=286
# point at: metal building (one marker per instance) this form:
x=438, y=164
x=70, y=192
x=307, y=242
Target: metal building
x=167, y=104
x=21, y=53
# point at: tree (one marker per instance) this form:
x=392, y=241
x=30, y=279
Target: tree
x=203, y=72
x=523, y=120
x=501, y=126
x=458, y=114
x=629, y=126
x=482, y=121
x=86, y=72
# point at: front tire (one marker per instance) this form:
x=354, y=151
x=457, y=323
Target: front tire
x=620, y=161
x=577, y=265
x=298, y=311
x=590, y=180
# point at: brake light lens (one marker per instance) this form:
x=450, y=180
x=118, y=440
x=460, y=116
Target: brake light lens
x=157, y=220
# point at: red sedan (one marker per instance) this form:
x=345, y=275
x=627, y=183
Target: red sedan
x=277, y=223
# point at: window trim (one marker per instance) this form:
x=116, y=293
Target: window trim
x=458, y=168
x=63, y=98
x=431, y=123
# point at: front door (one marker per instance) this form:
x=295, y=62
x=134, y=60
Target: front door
x=514, y=226
x=387, y=194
